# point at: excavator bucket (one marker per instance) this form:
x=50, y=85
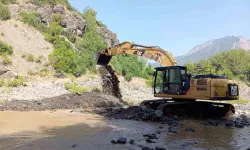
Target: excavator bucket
x=102, y=59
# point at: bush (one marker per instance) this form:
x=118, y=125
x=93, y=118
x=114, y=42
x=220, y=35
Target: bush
x=128, y=77
x=96, y=90
x=53, y=2
x=70, y=36
x=55, y=29
x=31, y=18
x=6, y=60
x=1, y=82
x=75, y=88
x=6, y=2
x=15, y=82
x=5, y=49
x=30, y=58
x=39, y=59
x=4, y=12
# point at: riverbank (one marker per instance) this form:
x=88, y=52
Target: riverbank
x=64, y=129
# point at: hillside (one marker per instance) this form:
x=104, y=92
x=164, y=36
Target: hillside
x=28, y=27
x=25, y=41
x=212, y=47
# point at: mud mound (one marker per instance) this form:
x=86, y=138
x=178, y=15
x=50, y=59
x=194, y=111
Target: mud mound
x=87, y=101
x=110, y=81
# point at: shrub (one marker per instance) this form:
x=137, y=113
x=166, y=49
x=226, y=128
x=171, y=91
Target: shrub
x=31, y=18
x=4, y=12
x=15, y=82
x=96, y=90
x=70, y=36
x=55, y=29
x=149, y=83
x=30, y=58
x=39, y=59
x=6, y=60
x=128, y=77
x=6, y=2
x=57, y=18
x=30, y=72
x=75, y=88
x=1, y=82
x=5, y=49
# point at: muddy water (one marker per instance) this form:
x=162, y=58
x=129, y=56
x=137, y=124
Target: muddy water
x=63, y=130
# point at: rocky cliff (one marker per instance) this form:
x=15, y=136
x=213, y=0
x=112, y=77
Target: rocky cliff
x=72, y=21
x=210, y=48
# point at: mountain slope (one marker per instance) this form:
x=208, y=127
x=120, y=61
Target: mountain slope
x=210, y=48
x=24, y=41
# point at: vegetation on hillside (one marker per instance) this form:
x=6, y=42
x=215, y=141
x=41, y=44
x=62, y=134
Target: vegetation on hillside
x=4, y=12
x=5, y=49
x=234, y=64
x=67, y=60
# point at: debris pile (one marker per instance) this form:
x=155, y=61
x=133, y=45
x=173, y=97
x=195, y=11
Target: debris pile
x=110, y=81
x=148, y=114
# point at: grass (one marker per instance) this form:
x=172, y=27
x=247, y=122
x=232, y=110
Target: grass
x=96, y=90
x=15, y=82
x=240, y=101
x=30, y=58
x=75, y=88
x=39, y=59
x=12, y=82
x=6, y=60
x=42, y=73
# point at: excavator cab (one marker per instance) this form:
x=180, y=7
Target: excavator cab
x=172, y=80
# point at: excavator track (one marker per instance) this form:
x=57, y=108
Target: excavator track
x=190, y=108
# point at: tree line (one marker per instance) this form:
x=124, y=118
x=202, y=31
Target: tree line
x=233, y=63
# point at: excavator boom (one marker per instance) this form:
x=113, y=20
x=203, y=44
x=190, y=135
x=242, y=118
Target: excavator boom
x=150, y=52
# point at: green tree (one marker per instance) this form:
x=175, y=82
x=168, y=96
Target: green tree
x=91, y=41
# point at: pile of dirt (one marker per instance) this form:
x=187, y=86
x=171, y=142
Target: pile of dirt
x=110, y=81
x=89, y=102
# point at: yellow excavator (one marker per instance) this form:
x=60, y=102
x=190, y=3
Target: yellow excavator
x=178, y=90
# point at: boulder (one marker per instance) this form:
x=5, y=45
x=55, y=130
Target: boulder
x=10, y=75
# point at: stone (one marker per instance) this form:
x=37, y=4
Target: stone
x=10, y=75
x=190, y=129
x=146, y=148
x=149, y=141
x=158, y=113
x=74, y=145
x=122, y=140
x=131, y=141
x=113, y=141
x=160, y=148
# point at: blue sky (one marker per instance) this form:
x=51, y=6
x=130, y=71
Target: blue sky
x=177, y=25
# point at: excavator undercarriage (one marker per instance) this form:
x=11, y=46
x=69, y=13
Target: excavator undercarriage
x=180, y=93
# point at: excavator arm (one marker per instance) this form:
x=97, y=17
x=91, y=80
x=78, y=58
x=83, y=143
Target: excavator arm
x=150, y=52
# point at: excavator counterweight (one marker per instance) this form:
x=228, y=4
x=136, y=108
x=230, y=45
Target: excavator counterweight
x=173, y=83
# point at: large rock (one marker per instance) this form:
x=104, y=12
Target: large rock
x=109, y=36
x=72, y=21
x=10, y=75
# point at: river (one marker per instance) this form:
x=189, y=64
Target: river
x=61, y=130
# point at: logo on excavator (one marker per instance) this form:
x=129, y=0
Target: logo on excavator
x=139, y=52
